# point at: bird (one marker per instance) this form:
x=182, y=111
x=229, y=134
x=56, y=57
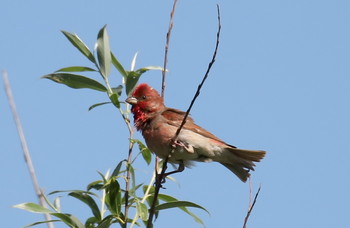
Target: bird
x=158, y=125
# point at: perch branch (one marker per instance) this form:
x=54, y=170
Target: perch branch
x=162, y=175
x=250, y=209
x=171, y=23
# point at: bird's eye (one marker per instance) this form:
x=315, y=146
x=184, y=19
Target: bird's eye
x=144, y=97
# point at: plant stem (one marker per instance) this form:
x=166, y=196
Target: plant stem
x=161, y=175
x=144, y=198
x=25, y=149
x=128, y=173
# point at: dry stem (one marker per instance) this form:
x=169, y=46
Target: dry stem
x=251, y=206
x=39, y=193
x=161, y=175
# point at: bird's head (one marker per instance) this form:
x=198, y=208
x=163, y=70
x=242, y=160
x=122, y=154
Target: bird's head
x=145, y=102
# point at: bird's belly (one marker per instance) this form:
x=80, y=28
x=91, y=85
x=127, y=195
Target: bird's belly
x=189, y=146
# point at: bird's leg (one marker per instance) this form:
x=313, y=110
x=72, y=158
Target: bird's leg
x=179, y=169
x=161, y=178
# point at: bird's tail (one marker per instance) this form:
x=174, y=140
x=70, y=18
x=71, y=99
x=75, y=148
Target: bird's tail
x=240, y=161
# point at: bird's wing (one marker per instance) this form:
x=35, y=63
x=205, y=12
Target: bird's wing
x=174, y=117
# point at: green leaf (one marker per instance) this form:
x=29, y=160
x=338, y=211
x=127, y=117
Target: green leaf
x=118, y=90
x=133, y=77
x=146, y=153
x=131, y=81
x=98, y=104
x=69, y=219
x=168, y=198
x=76, y=81
x=79, y=44
x=104, y=52
x=115, y=99
x=69, y=191
x=42, y=222
x=90, y=222
x=173, y=202
x=106, y=222
x=179, y=204
x=145, y=69
x=32, y=207
x=113, y=196
x=75, y=69
x=95, y=185
x=116, y=171
x=118, y=66
x=88, y=200
x=142, y=211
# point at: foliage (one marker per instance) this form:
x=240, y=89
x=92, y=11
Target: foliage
x=114, y=200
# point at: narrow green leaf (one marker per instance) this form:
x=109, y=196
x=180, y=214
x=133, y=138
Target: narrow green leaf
x=69, y=191
x=69, y=219
x=113, y=196
x=142, y=211
x=76, y=81
x=118, y=66
x=104, y=52
x=88, y=200
x=195, y=217
x=146, y=153
x=168, y=198
x=79, y=44
x=118, y=90
x=32, y=207
x=133, y=62
x=179, y=204
x=106, y=222
x=131, y=81
x=145, y=69
x=103, y=176
x=98, y=104
x=116, y=171
x=75, y=69
x=95, y=185
x=115, y=99
x=42, y=222
x=133, y=77
x=91, y=222
x=50, y=204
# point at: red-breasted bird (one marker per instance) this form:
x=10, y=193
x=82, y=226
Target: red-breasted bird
x=159, y=124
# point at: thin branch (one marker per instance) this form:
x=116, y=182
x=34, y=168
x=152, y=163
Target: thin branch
x=205, y=76
x=128, y=172
x=171, y=23
x=162, y=174
x=39, y=193
x=251, y=208
x=158, y=183
x=127, y=181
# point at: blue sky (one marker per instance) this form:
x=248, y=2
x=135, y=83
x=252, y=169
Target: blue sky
x=281, y=83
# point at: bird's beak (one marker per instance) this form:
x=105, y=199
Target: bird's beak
x=131, y=100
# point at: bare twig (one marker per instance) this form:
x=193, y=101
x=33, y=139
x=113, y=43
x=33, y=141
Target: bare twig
x=171, y=23
x=161, y=176
x=205, y=76
x=39, y=193
x=251, y=208
x=170, y=28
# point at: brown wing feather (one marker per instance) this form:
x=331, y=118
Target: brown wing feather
x=174, y=117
